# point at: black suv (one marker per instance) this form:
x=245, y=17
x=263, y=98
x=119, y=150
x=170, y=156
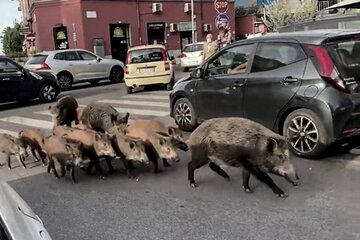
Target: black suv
x=303, y=85
x=20, y=84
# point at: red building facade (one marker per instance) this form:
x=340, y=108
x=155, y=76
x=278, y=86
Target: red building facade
x=109, y=27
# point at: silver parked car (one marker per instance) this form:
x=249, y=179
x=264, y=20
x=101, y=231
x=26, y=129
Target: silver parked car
x=77, y=65
x=17, y=220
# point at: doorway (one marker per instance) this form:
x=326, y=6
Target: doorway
x=156, y=33
x=185, y=38
x=60, y=38
x=119, y=40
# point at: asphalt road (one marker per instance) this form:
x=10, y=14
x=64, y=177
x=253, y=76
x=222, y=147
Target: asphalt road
x=164, y=206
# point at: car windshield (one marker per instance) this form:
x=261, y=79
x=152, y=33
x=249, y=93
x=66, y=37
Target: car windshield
x=346, y=55
x=194, y=48
x=146, y=55
x=37, y=59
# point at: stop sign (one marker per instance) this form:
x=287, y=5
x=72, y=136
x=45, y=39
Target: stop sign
x=221, y=6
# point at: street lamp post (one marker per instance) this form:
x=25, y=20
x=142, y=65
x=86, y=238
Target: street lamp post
x=192, y=21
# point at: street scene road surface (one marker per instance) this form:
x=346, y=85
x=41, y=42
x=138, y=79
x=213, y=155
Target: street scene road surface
x=164, y=206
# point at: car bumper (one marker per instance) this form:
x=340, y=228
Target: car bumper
x=147, y=80
x=191, y=63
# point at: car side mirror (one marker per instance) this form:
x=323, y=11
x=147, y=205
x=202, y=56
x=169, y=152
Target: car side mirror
x=197, y=73
x=98, y=59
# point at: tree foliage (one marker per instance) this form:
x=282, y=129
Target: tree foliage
x=281, y=13
x=12, y=41
x=243, y=11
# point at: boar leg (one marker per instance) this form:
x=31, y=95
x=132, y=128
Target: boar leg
x=265, y=178
x=73, y=174
x=129, y=168
x=198, y=159
x=34, y=154
x=110, y=166
x=21, y=160
x=8, y=161
x=246, y=178
x=94, y=161
x=165, y=163
x=213, y=166
x=62, y=170
x=153, y=157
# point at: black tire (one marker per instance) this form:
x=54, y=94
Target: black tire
x=129, y=90
x=183, y=106
x=116, y=74
x=48, y=92
x=185, y=69
x=65, y=80
x=308, y=137
x=170, y=85
x=94, y=82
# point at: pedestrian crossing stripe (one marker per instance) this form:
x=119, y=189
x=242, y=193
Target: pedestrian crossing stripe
x=137, y=103
x=146, y=96
x=30, y=122
x=12, y=133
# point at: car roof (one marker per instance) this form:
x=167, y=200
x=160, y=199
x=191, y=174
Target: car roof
x=147, y=47
x=306, y=37
x=60, y=51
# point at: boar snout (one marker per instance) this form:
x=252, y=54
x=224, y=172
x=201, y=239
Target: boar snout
x=289, y=173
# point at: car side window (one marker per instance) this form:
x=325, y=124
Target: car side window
x=270, y=56
x=8, y=67
x=87, y=56
x=71, y=56
x=3, y=235
x=60, y=56
x=231, y=61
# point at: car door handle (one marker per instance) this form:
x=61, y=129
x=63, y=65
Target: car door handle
x=237, y=84
x=289, y=80
x=6, y=79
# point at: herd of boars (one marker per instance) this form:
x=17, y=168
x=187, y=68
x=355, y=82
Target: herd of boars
x=82, y=136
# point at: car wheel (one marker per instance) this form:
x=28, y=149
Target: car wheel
x=306, y=133
x=95, y=82
x=129, y=90
x=47, y=92
x=116, y=74
x=185, y=69
x=65, y=81
x=170, y=85
x=184, y=114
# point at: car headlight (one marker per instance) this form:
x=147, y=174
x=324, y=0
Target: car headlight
x=35, y=75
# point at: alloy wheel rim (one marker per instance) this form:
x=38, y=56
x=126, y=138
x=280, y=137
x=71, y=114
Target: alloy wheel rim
x=303, y=134
x=64, y=82
x=116, y=75
x=183, y=114
x=49, y=92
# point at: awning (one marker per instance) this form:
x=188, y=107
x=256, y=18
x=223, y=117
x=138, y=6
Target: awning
x=346, y=4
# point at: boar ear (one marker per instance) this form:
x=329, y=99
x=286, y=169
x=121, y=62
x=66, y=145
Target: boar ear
x=113, y=118
x=272, y=144
x=132, y=144
x=171, y=130
x=124, y=119
x=68, y=147
x=97, y=137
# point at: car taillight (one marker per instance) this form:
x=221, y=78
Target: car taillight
x=166, y=60
x=127, y=61
x=183, y=55
x=328, y=70
x=43, y=65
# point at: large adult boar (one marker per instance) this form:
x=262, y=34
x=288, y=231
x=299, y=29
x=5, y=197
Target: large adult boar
x=12, y=146
x=241, y=142
x=64, y=111
x=157, y=145
x=32, y=138
x=67, y=154
x=157, y=126
x=101, y=117
x=95, y=145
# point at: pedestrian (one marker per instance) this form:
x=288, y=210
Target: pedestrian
x=224, y=37
x=210, y=47
x=262, y=29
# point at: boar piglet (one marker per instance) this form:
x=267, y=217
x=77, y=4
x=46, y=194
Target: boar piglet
x=239, y=142
x=64, y=111
x=12, y=146
x=67, y=154
x=32, y=138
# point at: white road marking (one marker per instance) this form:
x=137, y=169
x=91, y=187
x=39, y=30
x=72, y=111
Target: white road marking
x=146, y=96
x=137, y=103
x=28, y=122
x=15, y=134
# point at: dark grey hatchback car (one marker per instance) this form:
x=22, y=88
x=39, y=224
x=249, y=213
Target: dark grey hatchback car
x=303, y=85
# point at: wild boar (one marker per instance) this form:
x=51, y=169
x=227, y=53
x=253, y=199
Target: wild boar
x=101, y=117
x=12, y=146
x=67, y=154
x=241, y=142
x=129, y=149
x=32, y=138
x=64, y=111
x=157, y=145
x=95, y=145
x=157, y=126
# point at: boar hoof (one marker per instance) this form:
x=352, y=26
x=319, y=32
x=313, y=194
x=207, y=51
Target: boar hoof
x=227, y=179
x=103, y=177
x=282, y=195
x=247, y=189
x=194, y=185
x=296, y=184
x=9, y=168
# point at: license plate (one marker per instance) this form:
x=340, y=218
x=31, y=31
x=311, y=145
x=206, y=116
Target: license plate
x=193, y=62
x=146, y=70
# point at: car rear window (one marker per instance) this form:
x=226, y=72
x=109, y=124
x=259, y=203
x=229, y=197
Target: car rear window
x=194, y=48
x=146, y=55
x=346, y=55
x=37, y=59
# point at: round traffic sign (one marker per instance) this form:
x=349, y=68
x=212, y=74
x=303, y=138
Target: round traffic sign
x=221, y=6
x=220, y=19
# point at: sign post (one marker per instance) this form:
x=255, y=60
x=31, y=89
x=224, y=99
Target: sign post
x=192, y=22
x=221, y=6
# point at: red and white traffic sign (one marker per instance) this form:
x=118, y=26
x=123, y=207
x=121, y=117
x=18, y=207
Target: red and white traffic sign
x=221, y=6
